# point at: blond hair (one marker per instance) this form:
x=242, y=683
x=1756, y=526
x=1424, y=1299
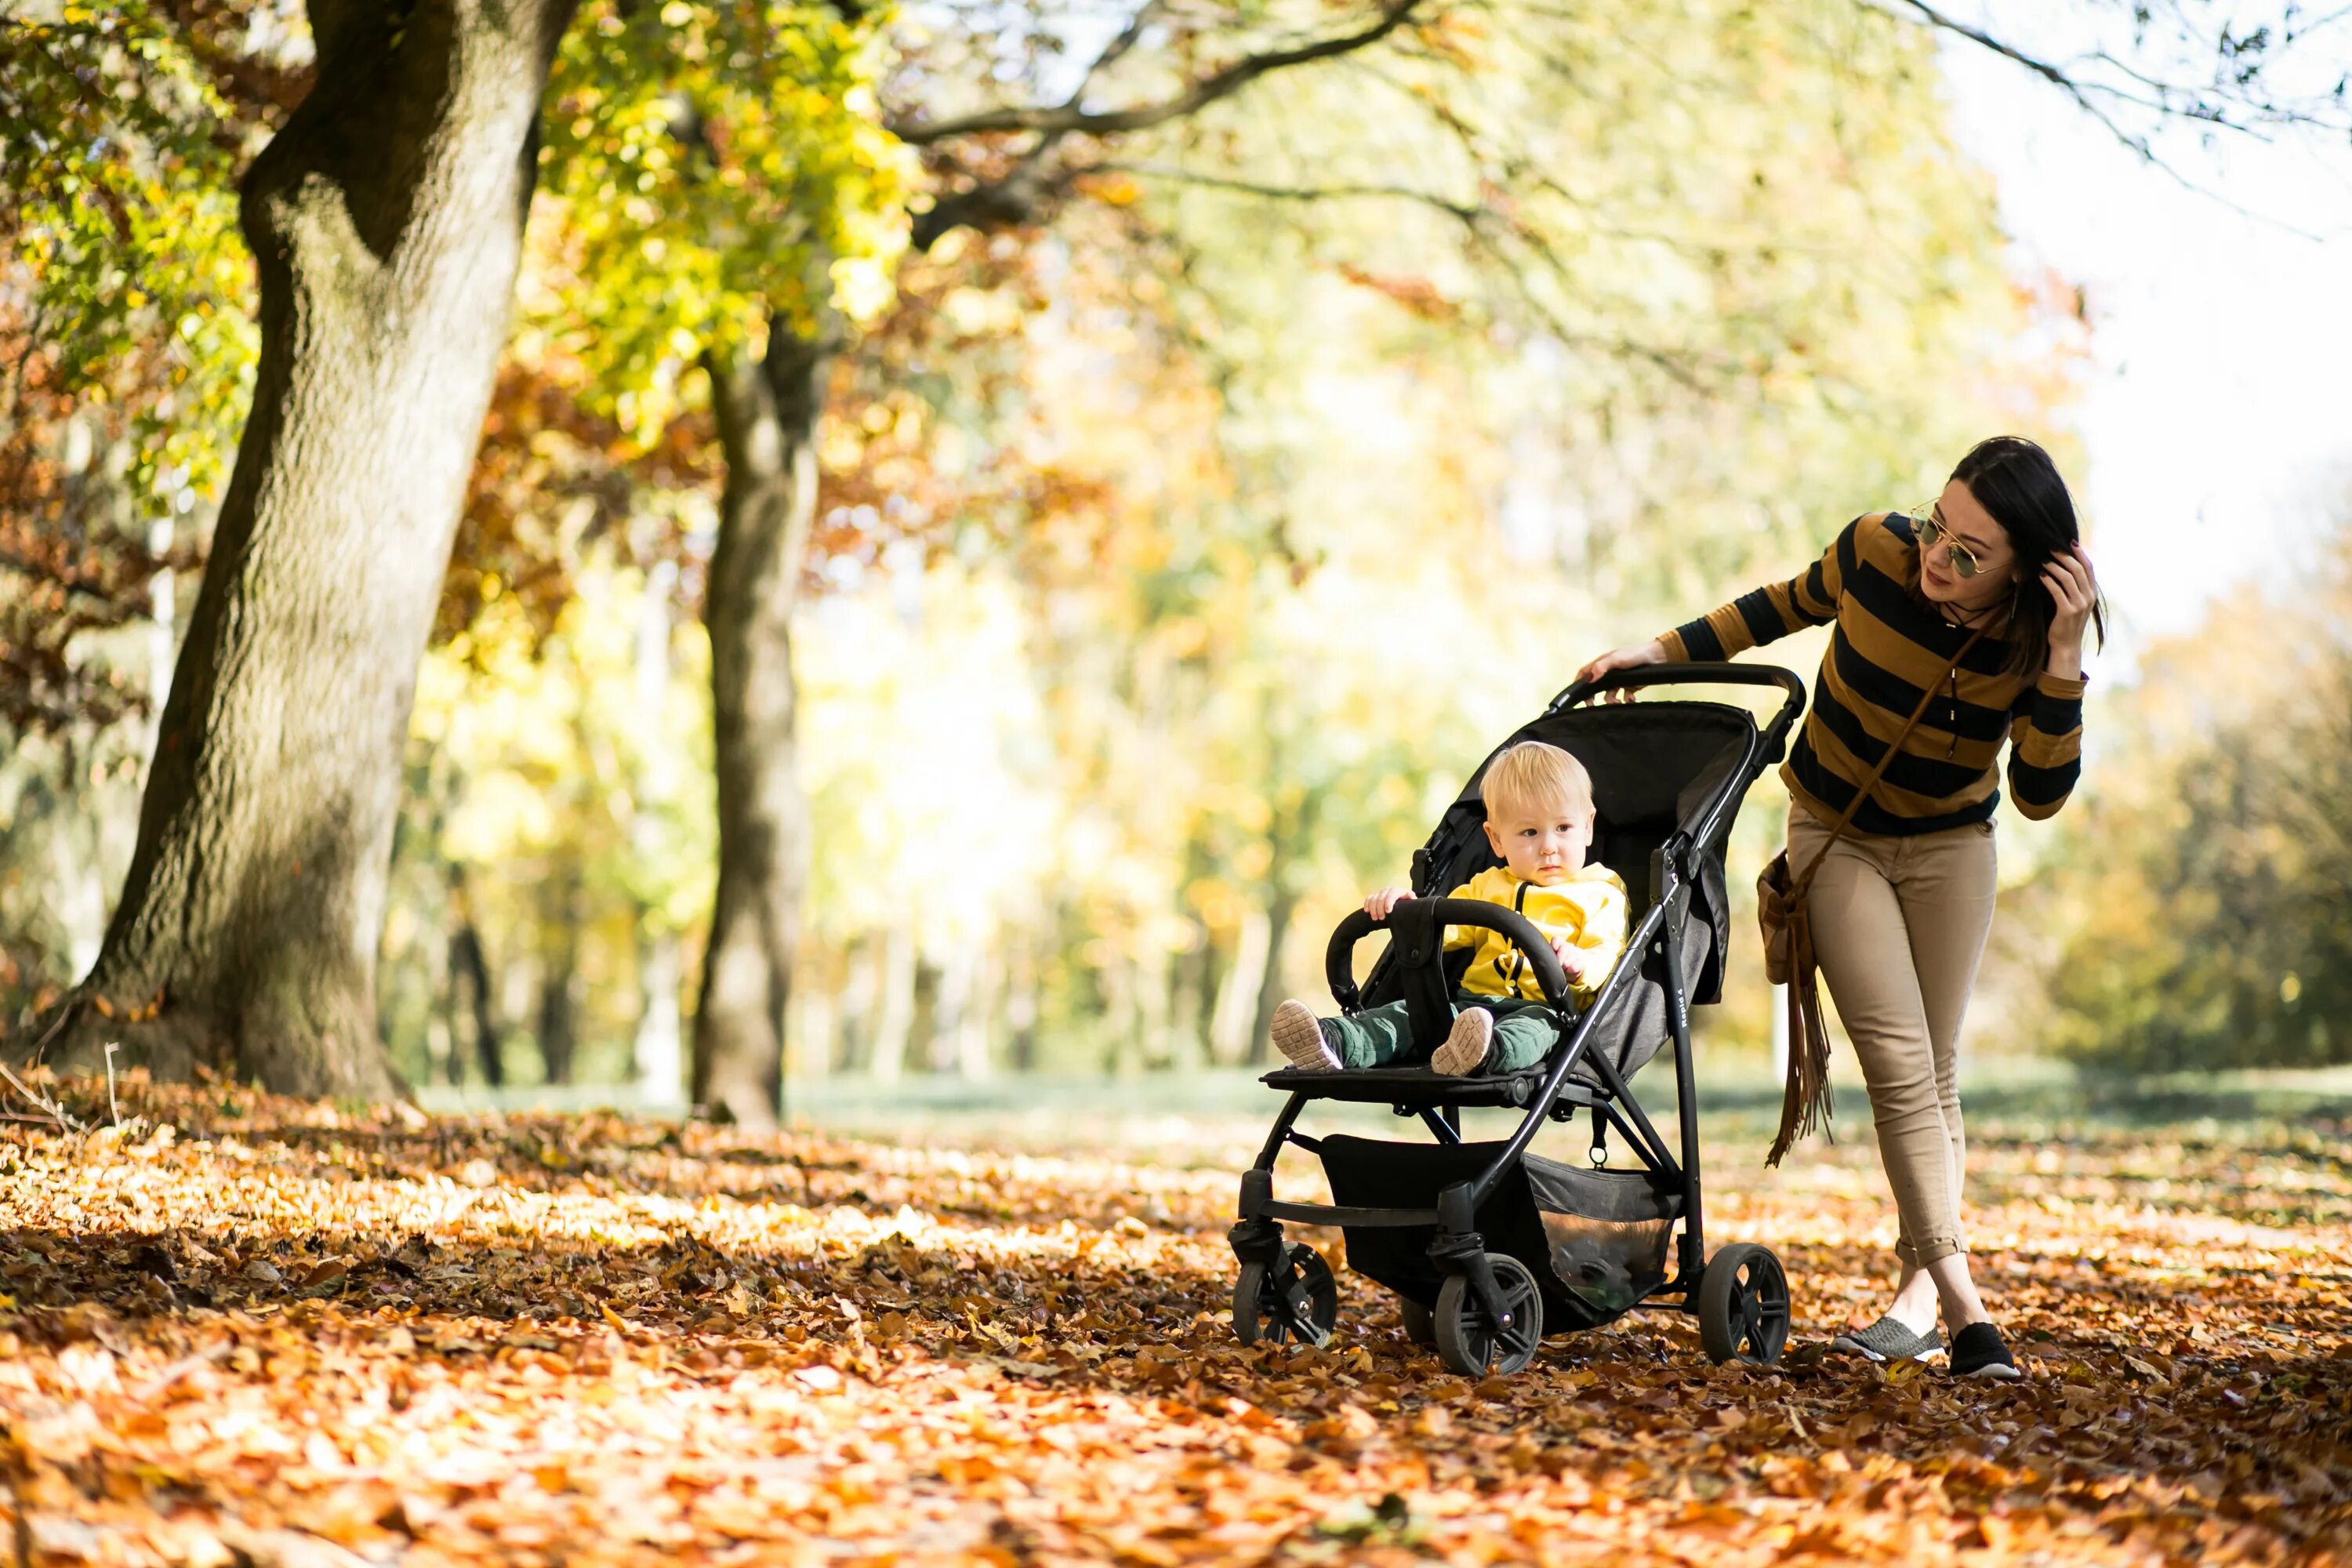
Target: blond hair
x=1532, y=776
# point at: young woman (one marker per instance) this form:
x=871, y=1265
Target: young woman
x=1903, y=902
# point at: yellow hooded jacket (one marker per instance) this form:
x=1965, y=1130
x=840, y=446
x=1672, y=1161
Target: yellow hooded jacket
x=1587, y=913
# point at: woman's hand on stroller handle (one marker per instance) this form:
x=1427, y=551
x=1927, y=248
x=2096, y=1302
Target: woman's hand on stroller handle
x=1632, y=655
x=1378, y=905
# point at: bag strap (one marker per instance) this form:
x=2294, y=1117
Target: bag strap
x=1846, y=818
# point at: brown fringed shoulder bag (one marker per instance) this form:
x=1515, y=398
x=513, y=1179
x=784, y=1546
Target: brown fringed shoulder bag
x=1805, y=1103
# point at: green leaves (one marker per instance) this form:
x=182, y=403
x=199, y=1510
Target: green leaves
x=707, y=165
x=118, y=200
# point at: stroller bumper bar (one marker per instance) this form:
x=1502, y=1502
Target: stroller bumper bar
x=1418, y=927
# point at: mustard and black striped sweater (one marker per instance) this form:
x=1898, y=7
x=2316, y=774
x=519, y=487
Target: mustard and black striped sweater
x=1887, y=644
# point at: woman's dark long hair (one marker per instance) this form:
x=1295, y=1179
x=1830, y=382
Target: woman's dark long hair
x=2015, y=481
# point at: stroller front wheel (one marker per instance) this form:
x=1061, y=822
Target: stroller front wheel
x=1419, y=1326
x=1299, y=1301
x=1743, y=1306
x=1469, y=1341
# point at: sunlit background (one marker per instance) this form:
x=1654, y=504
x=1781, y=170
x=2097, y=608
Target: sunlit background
x=1163, y=590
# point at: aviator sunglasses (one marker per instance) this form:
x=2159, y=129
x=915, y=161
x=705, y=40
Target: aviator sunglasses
x=1932, y=529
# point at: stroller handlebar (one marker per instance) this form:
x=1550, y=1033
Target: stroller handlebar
x=1427, y=924
x=1713, y=673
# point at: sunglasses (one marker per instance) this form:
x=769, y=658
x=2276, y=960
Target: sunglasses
x=1932, y=531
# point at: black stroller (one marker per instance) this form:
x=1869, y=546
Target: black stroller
x=1488, y=1247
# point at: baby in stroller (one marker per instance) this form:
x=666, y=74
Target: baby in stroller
x=1540, y=818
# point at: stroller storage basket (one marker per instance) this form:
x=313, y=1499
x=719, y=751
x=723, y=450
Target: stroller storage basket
x=1595, y=1240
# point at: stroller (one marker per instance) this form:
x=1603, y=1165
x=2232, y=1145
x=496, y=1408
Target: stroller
x=1487, y=1246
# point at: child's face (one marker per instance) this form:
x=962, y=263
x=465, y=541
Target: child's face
x=1543, y=844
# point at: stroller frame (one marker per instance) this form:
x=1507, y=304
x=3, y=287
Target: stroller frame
x=1290, y=1288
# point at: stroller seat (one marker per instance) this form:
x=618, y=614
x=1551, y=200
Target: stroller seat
x=1416, y=1086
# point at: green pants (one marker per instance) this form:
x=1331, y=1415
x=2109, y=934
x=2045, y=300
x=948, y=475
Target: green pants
x=1383, y=1037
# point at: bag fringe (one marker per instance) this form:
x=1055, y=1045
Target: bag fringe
x=1806, y=1102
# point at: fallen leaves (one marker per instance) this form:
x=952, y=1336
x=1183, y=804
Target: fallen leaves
x=254, y=1331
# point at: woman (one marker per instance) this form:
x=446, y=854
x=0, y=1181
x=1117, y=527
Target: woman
x=1903, y=900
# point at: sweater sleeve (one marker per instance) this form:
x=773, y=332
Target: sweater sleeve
x=1464, y=936
x=1770, y=613
x=2046, y=745
x=1600, y=939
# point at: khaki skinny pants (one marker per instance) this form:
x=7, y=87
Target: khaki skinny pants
x=1899, y=925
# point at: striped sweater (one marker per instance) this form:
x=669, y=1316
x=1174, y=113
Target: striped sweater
x=1887, y=644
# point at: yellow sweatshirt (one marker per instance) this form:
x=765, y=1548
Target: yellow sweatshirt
x=1586, y=913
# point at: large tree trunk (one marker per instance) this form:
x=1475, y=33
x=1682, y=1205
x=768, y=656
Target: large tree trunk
x=386, y=223
x=767, y=412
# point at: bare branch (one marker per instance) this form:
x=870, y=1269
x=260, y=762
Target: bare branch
x=2228, y=106
x=2056, y=75
x=1460, y=211
x=1115, y=50
x=1069, y=119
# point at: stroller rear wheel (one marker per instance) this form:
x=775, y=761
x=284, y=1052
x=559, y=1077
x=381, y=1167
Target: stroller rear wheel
x=1298, y=1302
x=1469, y=1341
x=1743, y=1305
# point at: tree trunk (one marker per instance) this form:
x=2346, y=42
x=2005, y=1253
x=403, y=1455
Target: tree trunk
x=470, y=970
x=1237, y=993
x=656, y=1046
x=1021, y=1004
x=894, y=1011
x=1279, y=907
x=767, y=412
x=559, y=981
x=386, y=220
x=657, y=1054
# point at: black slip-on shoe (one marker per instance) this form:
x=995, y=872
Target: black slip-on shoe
x=1977, y=1350
x=1887, y=1340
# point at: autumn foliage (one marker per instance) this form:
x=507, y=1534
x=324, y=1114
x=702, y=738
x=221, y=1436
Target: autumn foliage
x=250, y=1329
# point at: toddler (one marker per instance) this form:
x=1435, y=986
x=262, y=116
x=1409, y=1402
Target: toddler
x=1540, y=818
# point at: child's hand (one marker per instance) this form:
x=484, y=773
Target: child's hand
x=1571, y=963
x=1378, y=905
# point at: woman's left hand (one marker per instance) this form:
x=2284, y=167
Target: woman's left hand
x=2073, y=591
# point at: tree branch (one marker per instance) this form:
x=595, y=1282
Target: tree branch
x=1070, y=119
x=2056, y=75
x=1113, y=51
x=1460, y=211
x=2243, y=110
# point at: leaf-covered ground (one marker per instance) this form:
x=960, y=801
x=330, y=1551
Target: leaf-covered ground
x=244, y=1330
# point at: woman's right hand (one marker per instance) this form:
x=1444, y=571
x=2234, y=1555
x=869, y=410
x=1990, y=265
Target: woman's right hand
x=1632, y=655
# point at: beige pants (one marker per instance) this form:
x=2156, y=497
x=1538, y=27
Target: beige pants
x=1899, y=926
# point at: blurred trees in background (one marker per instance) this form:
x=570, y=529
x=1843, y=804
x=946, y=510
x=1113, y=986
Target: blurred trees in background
x=2200, y=912
x=1167, y=563
x=1001, y=520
